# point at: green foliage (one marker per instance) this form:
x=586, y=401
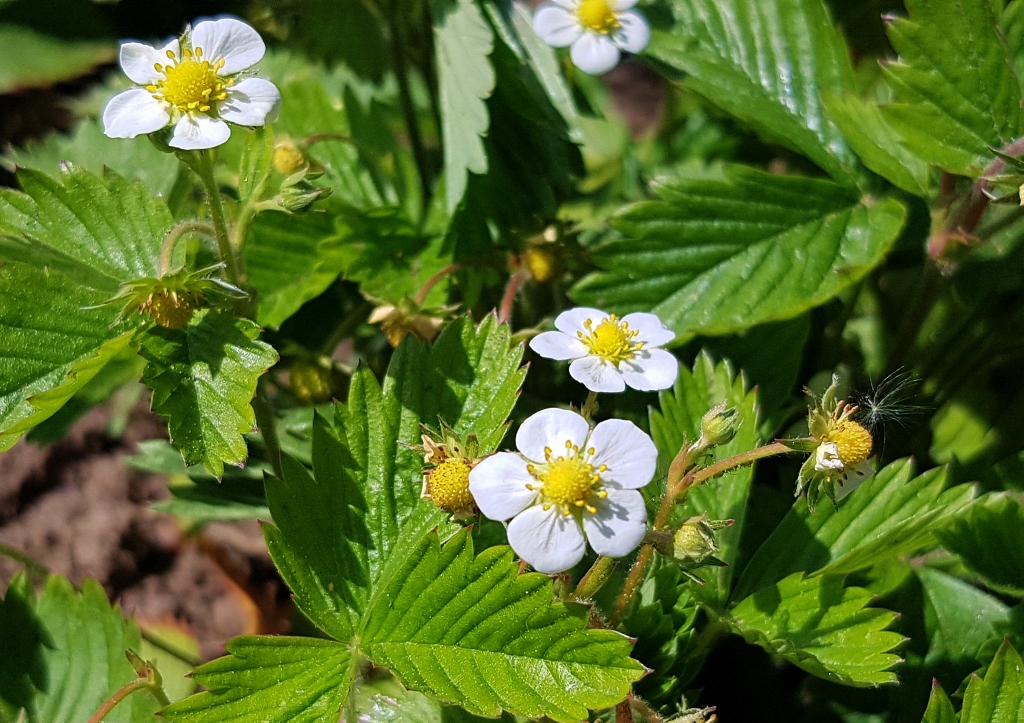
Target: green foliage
x=463, y=41
x=891, y=514
x=678, y=423
x=474, y=632
x=724, y=49
x=957, y=95
x=720, y=252
x=32, y=59
x=62, y=655
x=278, y=679
x=999, y=696
x=989, y=537
x=940, y=710
x=203, y=379
x=826, y=629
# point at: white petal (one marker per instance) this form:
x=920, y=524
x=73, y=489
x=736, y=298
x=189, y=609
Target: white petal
x=826, y=457
x=854, y=478
x=573, y=320
x=556, y=25
x=551, y=428
x=137, y=61
x=650, y=370
x=547, y=539
x=621, y=5
x=626, y=450
x=238, y=44
x=252, y=102
x=567, y=4
x=498, y=484
x=133, y=113
x=651, y=331
x=633, y=34
x=597, y=375
x=594, y=53
x=556, y=345
x=196, y=131
x=619, y=524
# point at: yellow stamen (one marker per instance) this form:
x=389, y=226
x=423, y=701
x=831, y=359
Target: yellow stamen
x=598, y=16
x=612, y=339
x=852, y=441
x=191, y=84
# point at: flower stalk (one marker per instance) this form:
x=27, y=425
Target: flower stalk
x=148, y=678
x=203, y=166
x=176, y=234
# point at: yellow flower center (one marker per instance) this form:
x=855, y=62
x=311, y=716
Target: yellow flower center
x=190, y=83
x=598, y=16
x=568, y=481
x=852, y=440
x=612, y=340
x=449, y=485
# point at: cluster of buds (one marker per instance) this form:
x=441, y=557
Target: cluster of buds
x=172, y=299
x=692, y=545
x=298, y=192
x=446, y=478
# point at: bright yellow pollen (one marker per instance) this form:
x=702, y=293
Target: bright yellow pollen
x=612, y=340
x=449, y=485
x=597, y=15
x=190, y=84
x=568, y=482
x=852, y=441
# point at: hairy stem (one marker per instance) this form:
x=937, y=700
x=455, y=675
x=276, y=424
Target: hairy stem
x=204, y=169
x=595, y=578
x=175, y=234
x=126, y=690
x=509, y=299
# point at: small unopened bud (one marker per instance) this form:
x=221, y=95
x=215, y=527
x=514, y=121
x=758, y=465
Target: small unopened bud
x=288, y=157
x=719, y=425
x=302, y=195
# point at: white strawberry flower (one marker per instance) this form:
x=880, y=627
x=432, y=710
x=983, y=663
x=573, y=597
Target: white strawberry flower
x=568, y=485
x=609, y=353
x=597, y=30
x=194, y=84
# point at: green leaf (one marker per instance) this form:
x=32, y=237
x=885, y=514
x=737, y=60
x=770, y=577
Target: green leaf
x=272, y=680
x=724, y=252
x=50, y=346
x=957, y=94
x=346, y=31
x=965, y=625
x=227, y=500
x=366, y=481
x=463, y=41
x=940, y=710
x=87, y=147
x=893, y=513
x=101, y=232
x=678, y=423
x=32, y=60
x=257, y=153
x=67, y=651
x=822, y=627
x=203, y=379
x=999, y=697
x=724, y=47
x=474, y=632
x=989, y=537
x=878, y=144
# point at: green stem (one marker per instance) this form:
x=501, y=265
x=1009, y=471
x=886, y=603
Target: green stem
x=412, y=123
x=595, y=578
x=21, y=557
x=175, y=234
x=126, y=690
x=204, y=169
x=589, y=408
x=268, y=429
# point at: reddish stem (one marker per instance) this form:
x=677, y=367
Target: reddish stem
x=509, y=299
x=430, y=283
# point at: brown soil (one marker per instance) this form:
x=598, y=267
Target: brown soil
x=79, y=510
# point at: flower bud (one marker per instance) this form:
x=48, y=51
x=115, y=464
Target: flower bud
x=288, y=157
x=300, y=196
x=719, y=425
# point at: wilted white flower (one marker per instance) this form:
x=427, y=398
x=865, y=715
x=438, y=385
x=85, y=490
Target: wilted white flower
x=566, y=486
x=193, y=83
x=608, y=352
x=597, y=30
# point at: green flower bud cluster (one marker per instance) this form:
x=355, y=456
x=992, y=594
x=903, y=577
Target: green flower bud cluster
x=692, y=545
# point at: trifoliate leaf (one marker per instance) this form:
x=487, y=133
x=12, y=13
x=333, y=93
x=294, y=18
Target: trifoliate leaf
x=989, y=537
x=822, y=627
x=878, y=144
x=203, y=379
x=50, y=344
x=722, y=253
x=957, y=94
x=33, y=60
x=271, y=680
x=100, y=232
x=893, y=513
x=366, y=481
x=724, y=47
x=463, y=41
x=472, y=631
x=678, y=423
x=999, y=696
x=63, y=655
